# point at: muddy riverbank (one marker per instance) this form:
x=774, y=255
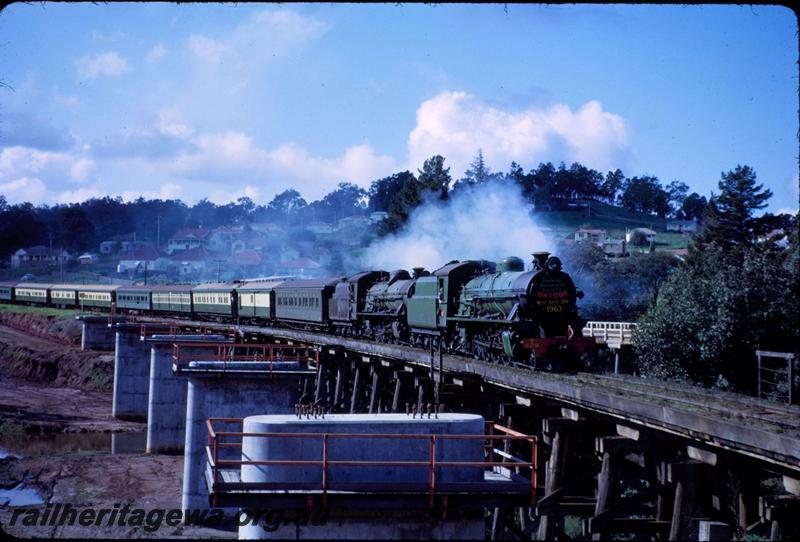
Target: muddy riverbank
x=60, y=446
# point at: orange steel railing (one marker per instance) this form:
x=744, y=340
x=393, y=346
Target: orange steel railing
x=494, y=433
x=229, y=352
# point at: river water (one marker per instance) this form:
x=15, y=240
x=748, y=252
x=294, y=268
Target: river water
x=67, y=443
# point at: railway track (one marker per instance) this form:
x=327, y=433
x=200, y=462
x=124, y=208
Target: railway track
x=727, y=404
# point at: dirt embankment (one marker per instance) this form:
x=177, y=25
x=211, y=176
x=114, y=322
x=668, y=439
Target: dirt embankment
x=45, y=349
x=65, y=330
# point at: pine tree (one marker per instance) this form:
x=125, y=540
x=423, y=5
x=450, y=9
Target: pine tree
x=729, y=220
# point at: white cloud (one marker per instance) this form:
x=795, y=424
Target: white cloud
x=206, y=49
x=165, y=192
x=105, y=63
x=80, y=170
x=79, y=195
x=226, y=156
x=457, y=124
x=35, y=176
x=156, y=53
x=24, y=189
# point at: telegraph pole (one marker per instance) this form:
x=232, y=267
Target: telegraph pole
x=219, y=268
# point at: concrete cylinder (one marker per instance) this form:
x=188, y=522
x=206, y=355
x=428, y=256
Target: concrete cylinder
x=379, y=523
x=366, y=449
x=222, y=395
x=131, y=375
x=166, y=404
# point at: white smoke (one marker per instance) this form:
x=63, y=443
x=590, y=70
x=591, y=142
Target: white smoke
x=489, y=221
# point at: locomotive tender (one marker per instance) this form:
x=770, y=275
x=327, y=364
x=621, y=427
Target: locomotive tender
x=494, y=311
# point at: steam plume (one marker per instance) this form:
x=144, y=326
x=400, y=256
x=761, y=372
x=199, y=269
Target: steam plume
x=489, y=221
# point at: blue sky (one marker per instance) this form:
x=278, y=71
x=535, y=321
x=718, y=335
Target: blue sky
x=224, y=100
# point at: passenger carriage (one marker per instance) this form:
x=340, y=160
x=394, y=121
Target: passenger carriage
x=174, y=298
x=32, y=293
x=257, y=299
x=215, y=298
x=97, y=296
x=7, y=291
x=135, y=298
x=304, y=300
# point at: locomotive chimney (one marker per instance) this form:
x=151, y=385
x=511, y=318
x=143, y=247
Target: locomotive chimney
x=539, y=258
x=418, y=271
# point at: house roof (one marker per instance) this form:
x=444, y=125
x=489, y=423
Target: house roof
x=191, y=233
x=38, y=250
x=646, y=231
x=147, y=252
x=593, y=231
x=247, y=257
x=300, y=263
x=195, y=254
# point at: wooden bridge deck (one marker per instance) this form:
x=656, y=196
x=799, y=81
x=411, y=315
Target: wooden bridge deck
x=758, y=428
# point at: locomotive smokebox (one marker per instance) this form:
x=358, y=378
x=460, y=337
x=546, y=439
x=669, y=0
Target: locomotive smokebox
x=539, y=259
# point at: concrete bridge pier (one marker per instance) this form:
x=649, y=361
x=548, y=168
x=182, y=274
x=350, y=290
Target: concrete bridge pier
x=166, y=405
x=230, y=390
x=131, y=373
x=98, y=332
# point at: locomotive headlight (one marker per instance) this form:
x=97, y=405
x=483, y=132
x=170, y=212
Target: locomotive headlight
x=553, y=263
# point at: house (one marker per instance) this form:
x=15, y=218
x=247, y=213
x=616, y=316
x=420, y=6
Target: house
x=591, y=235
x=614, y=247
x=353, y=222
x=288, y=254
x=304, y=267
x=108, y=247
x=680, y=253
x=649, y=235
x=777, y=236
x=267, y=228
x=689, y=226
x=221, y=239
x=193, y=260
x=88, y=258
x=377, y=216
x=188, y=238
x=39, y=256
x=247, y=260
x=320, y=228
x=321, y=255
x=146, y=256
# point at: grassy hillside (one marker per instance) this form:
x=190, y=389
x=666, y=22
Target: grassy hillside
x=613, y=219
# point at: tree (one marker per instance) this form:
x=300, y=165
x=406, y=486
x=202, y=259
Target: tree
x=407, y=198
x=694, y=206
x=729, y=218
x=715, y=311
x=75, y=231
x=645, y=195
x=677, y=194
x=382, y=191
x=287, y=203
x=346, y=200
x=611, y=185
x=434, y=177
x=477, y=172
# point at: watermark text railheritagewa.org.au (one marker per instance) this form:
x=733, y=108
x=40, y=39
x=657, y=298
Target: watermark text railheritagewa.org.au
x=59, y=515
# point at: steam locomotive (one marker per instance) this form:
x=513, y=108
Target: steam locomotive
x=493, y=311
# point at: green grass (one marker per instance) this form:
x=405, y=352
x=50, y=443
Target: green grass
x=47, y=311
